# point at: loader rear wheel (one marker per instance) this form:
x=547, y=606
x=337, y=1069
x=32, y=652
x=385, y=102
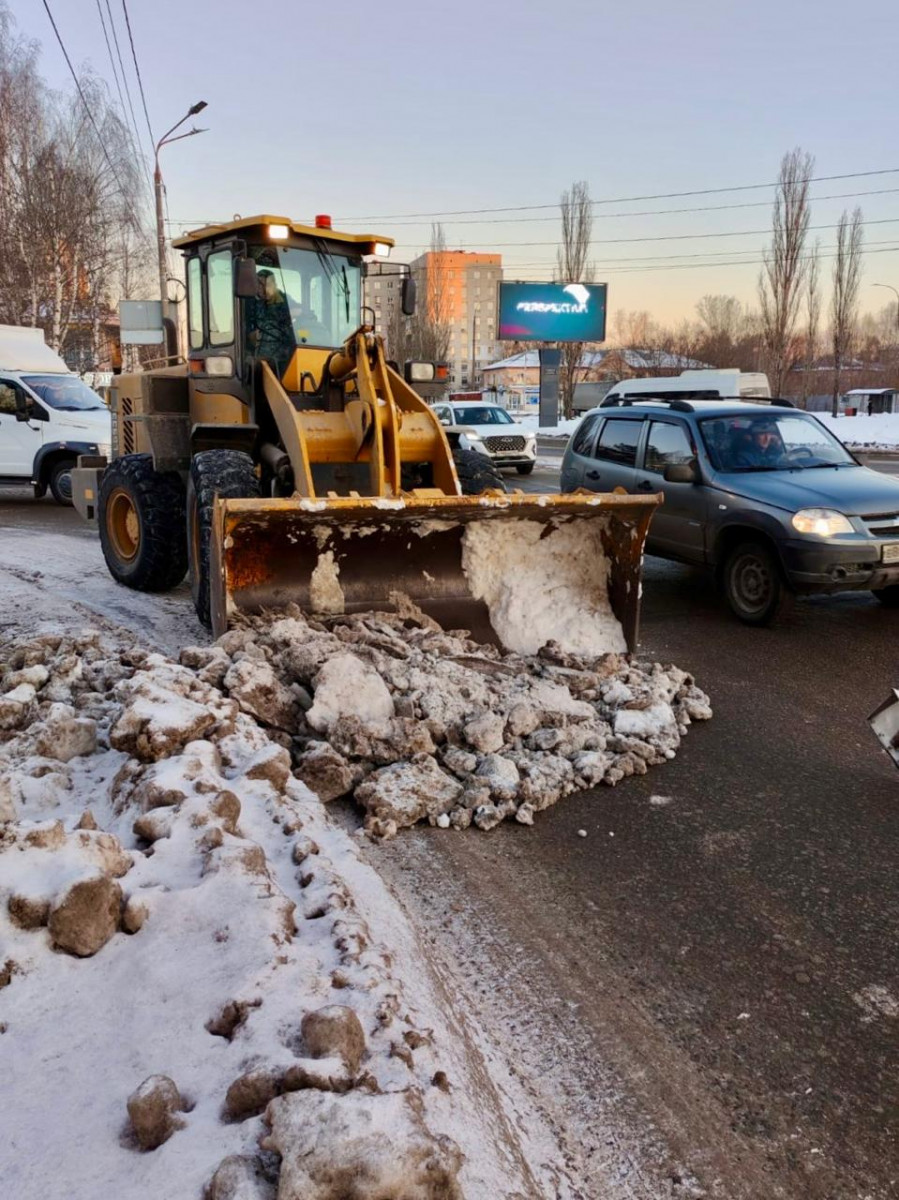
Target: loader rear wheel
x=141, y=520
x=226, y=473
x=476, y=473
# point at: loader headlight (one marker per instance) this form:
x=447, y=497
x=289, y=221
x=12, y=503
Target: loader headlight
x=278, y=233
x=822, y=522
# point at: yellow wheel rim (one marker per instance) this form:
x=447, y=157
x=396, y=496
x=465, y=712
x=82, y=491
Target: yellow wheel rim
x=123, y=524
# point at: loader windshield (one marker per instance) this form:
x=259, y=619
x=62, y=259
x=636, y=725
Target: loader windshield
x=306, y=298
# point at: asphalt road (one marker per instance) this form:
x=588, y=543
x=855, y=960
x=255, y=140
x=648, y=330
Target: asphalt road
x=719, y=968
x=701, y=996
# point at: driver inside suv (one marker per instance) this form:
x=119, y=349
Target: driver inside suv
x=758, y=446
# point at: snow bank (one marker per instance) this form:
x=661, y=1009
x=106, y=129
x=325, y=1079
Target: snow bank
x=190, y=986
x=421, y=724
x=880, y=431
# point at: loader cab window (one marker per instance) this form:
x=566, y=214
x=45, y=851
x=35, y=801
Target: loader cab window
x=317, y=297
x=195, y=303
x=221, y=298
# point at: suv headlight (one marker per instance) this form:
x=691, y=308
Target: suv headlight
x=823, y=522
x=470, y=441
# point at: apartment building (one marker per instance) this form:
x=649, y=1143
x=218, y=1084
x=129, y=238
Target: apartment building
x=467, y=285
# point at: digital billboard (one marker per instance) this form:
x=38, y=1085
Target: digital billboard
x=552, y=312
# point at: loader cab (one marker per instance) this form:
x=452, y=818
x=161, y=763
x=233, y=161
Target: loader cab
x=268, y=289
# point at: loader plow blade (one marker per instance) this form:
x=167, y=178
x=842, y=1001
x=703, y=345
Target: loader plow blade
x=509, y=568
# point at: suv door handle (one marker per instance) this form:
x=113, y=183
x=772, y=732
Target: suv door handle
x=645, y=485
x=592, y=475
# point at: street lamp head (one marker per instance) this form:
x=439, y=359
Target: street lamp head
x=195, y=108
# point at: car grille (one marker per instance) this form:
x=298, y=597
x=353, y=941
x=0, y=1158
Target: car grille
x=882, y=524
x=497, y=444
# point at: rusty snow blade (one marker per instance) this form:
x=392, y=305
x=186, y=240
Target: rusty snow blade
x=351, y=554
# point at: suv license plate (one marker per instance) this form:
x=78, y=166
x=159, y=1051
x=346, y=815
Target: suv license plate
x=890, y=553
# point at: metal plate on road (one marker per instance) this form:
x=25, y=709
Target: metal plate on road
x=890, y=553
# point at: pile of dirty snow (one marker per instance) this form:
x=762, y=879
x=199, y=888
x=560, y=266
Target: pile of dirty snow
x=419, y=723
x=192, y=1002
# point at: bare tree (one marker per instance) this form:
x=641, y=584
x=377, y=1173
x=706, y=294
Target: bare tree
x=429, y=330
x=572, y=267
x=847, y=273
x=783, y=273
x=812, y=321
x=722, y=316
x=70, y=204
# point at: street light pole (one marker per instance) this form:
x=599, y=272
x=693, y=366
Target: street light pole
x=165, y=140
x=892, y=289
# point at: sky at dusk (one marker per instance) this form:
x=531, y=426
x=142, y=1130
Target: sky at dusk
x=383, y=114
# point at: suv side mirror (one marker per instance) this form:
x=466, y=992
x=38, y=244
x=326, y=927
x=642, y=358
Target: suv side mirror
x=245, y=285
x=408, y=296
x=687, y=472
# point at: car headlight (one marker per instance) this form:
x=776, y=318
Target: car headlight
x=823, y=522
x=468, y=441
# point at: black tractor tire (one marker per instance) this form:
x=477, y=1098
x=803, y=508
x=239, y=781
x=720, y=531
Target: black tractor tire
x=60, y=481
x=525, y=468
x=226, y=473
x=888, y=596
x=141, y=519
x=754, y=585
x=476, y=473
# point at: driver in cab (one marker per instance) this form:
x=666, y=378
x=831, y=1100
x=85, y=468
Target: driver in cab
x=271, y=333
x=760, y=446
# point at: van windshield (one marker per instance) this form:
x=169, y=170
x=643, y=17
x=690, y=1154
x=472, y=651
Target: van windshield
x=65, y=393
x=772, y=442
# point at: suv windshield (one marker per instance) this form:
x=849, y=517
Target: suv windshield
x=482, y=416
x=304, y=297
x=771, y=442
x=64, y=392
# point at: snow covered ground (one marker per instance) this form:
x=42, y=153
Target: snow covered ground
x=203, y=985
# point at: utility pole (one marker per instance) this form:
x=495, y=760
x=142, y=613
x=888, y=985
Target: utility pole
x=171, y=333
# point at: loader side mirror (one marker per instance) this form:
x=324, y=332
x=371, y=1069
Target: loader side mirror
x=687, y=472
x=408, y=296
x=245, y=286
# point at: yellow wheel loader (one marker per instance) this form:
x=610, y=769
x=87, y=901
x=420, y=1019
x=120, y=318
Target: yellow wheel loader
x=287, y=460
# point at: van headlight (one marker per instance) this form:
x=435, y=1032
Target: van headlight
x=822, y=522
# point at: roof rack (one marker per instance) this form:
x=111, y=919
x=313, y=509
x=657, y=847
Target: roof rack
x=628, y=401
x=687, y=405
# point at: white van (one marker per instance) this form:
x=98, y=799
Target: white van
x=698, y=385
x=47, y=416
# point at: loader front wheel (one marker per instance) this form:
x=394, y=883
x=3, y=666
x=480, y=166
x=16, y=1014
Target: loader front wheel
x=226, y=473
x=477, y=473
x=141, y=520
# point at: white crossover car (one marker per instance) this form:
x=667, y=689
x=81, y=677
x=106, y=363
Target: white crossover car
x=488, y=429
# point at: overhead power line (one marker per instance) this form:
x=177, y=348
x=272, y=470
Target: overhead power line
x=744, y=187
x=133, y=135
x=140, y=82
x=196, y=222
x=88, y=110
x=654, y=212
x=667, y=237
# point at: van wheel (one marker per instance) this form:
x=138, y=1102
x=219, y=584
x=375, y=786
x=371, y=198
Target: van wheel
x=61, y=481
x=754, y=586
x=141, y=520
x=476, y=473
x=226, y=473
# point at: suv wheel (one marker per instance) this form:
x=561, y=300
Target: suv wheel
x=754, y=586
